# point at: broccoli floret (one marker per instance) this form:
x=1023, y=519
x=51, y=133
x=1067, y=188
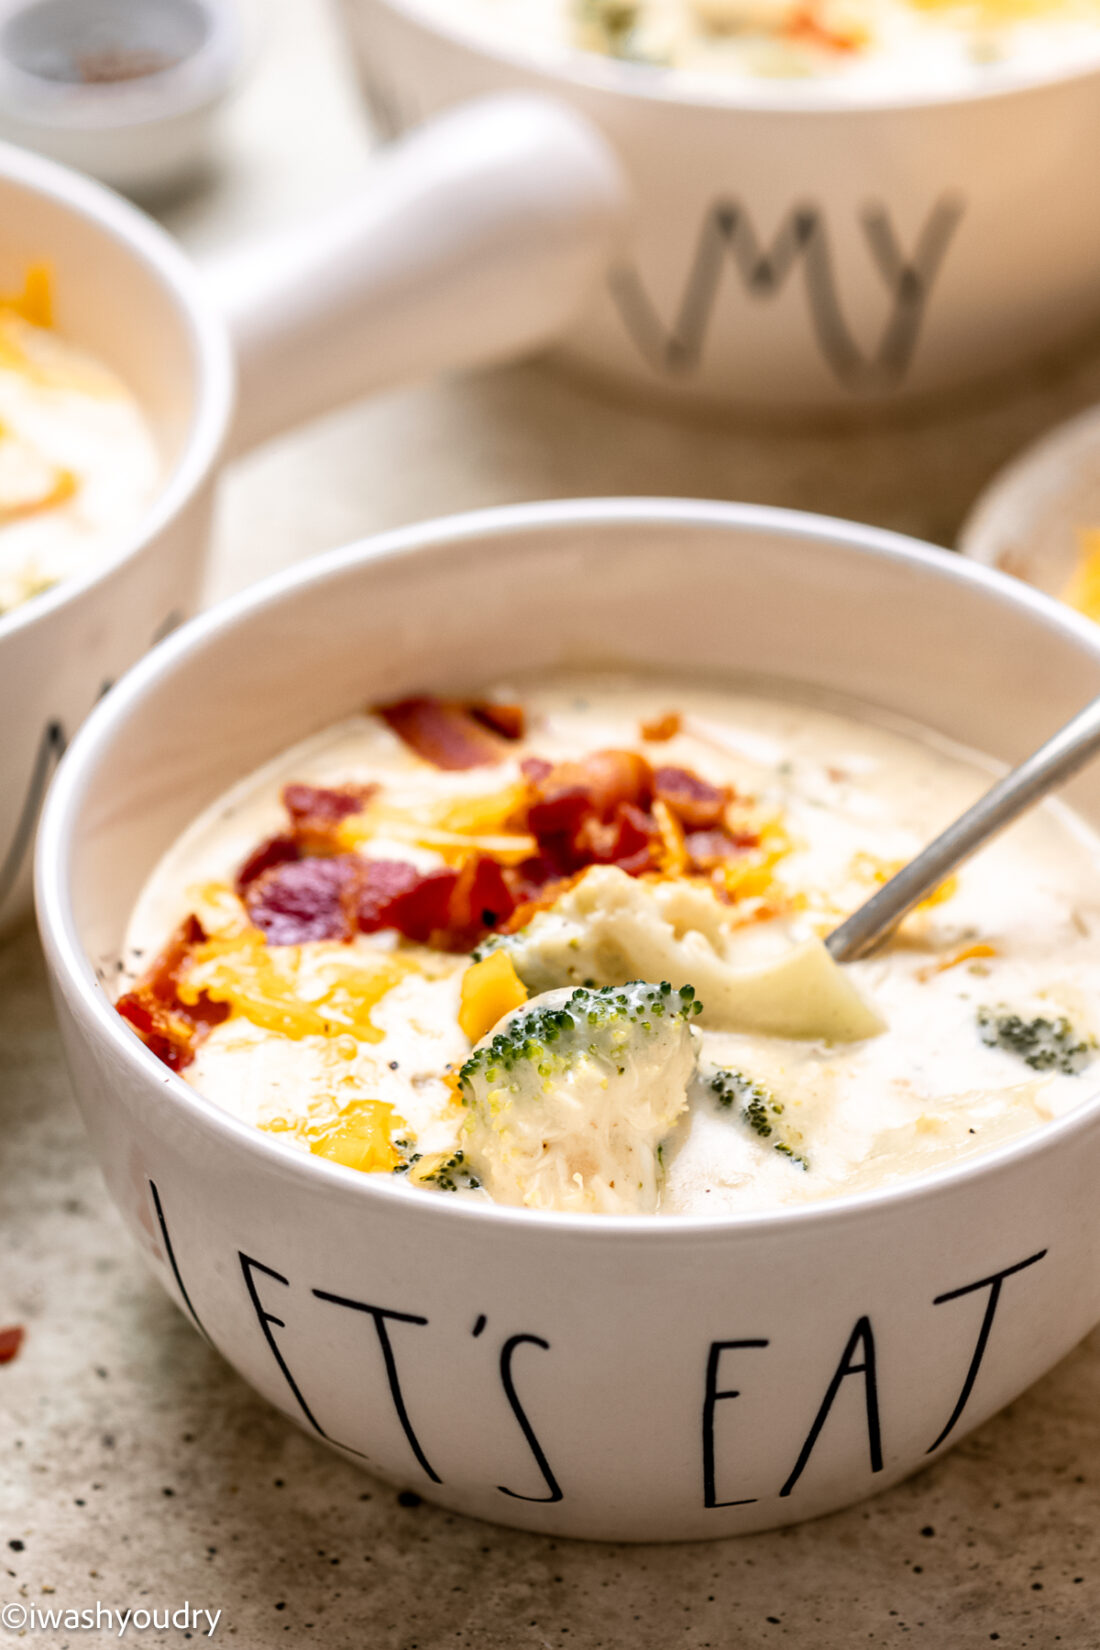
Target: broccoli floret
x=1042, y=1044
x=586, y=1023
x=611, y=21
x=758, y=1107
x=497, y=942
x=568, y=1102
x=447, y=1171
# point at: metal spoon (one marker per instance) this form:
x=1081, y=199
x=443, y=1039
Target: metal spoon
x=1051, y=765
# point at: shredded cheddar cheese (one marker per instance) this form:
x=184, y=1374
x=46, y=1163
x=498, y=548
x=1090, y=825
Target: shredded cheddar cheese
x=674, y=855
x=455, y=828
x=360, y=1136
x=490, y=989
x=752, y=874
x=969, y=953
x=329, y=991
x=870, y=868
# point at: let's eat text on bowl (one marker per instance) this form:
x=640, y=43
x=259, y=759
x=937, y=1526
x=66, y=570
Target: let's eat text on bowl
x=629, y=1378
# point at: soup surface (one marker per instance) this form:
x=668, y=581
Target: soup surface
x=78, y=465
x=872, y=45
x=406, y=946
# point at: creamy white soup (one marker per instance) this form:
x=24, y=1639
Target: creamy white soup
x=872, y=45
x=562, y=948
x=78, y=465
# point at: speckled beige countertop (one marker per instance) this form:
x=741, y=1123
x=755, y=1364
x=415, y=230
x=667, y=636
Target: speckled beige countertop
x=137, y=1470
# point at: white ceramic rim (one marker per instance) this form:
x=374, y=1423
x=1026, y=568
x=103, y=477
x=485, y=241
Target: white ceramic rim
x=214, y=366
x=636, y=82
x=1065, y=443
x=59, y=822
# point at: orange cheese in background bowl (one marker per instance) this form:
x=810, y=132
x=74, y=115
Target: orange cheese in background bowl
x=1083, y=590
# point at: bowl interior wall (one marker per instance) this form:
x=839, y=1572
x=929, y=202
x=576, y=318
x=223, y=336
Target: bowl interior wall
x=821, y=615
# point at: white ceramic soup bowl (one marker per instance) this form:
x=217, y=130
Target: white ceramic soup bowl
x=387, y=285
x=635, y=1378
x=798, y=247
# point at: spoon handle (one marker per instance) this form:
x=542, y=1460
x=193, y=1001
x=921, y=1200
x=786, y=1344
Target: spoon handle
x=1048, y=767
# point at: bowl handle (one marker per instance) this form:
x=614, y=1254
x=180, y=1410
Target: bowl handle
x=478, y=236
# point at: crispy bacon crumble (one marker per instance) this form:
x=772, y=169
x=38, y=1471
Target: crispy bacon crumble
x=658, y=730
x=444, y=732
x=11, y=1341
x=306, y=884
x=170, y=1028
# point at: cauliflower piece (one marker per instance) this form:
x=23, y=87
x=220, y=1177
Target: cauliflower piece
x=609, y=927
x=570, y=1098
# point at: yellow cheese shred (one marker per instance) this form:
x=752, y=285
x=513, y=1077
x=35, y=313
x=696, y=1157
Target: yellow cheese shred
x=275, y=987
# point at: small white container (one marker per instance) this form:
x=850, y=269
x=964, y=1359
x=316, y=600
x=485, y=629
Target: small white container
x=125, y=90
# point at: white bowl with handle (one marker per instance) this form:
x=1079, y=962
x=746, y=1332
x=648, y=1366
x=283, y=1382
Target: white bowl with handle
x=615, y=1377
x=420, y=271
x=792, y=247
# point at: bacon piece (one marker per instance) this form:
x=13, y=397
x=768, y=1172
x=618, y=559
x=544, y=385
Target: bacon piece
x=561, y=807
x=594, y=787
x=636, y=841
x=442, y=731
x=170, y=1029
x=276, y=850
x=615, y=778
x=532, y=876
x=706, y=849
x=592, y=812
x=660, y=728
x=11, y=1340
x=330, y=897
x=384, y=882
x=424, y=913
x=697, y=804
x=306, y=899
x=510, y=721
x=450, y=909
x=541, y=898
x=628, y=840
x=317, y=810
x=416, y=903
x=482, y=900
